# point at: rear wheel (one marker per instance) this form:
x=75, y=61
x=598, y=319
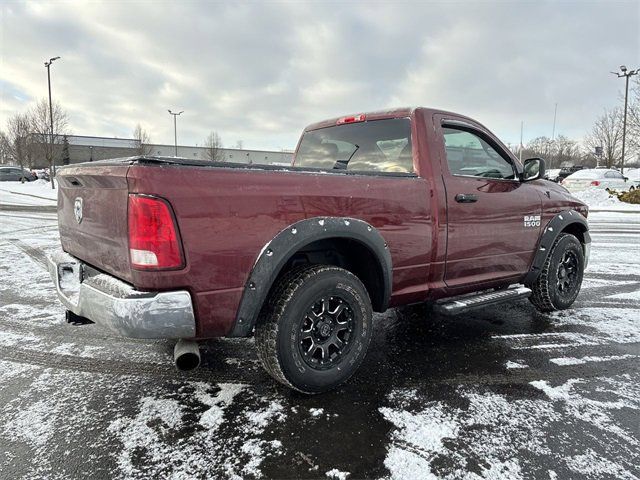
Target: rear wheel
x=315, y=329
x=559, y=282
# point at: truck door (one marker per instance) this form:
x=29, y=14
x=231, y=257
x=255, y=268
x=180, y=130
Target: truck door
x=493, y=219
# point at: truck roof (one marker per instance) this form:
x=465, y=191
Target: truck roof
x=377, y=115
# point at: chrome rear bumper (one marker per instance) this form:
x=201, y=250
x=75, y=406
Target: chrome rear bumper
x=110, y=302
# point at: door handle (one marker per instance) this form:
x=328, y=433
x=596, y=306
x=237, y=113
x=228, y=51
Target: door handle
x=466, y=198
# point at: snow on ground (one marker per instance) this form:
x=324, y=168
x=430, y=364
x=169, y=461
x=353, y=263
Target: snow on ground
x=502, y=436
x=157, y=420
x=38, y=192
x=583, y=360
x=511, y=364
x=38, y=188
x=599, y=198
x=337, y=474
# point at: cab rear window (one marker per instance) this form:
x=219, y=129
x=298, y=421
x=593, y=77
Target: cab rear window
x=372, y=146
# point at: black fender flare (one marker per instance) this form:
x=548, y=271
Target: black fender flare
x=275, y=254
x=549, y=235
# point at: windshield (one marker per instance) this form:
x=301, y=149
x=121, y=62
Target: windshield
x=377, y=146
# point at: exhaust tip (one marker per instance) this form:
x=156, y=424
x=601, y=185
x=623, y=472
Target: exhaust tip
x=186, y=355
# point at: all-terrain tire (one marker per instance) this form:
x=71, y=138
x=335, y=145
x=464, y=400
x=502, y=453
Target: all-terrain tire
x=548, y=294
x=286, y=316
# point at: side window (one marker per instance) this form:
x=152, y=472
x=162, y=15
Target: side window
x=469, y=155
x=613, y=175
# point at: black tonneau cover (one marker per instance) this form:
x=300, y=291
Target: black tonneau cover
x=189, y=162
x=152, y=159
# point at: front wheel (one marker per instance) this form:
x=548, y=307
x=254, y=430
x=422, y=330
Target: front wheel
x=559, y=282
x=315, y=329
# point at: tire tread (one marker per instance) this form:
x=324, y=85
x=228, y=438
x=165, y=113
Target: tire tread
x=540, y=296
x=266, y=334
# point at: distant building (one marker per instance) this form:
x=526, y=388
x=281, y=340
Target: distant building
x=90, y=149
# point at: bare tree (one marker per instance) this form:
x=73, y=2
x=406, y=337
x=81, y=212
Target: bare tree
x=18, y=139
x=5, y=148
x=143, y=141
x=48, y=141
x=213, y=144
x=565, y=151
x=607, y=133
x=538, y=147
x=556, y=153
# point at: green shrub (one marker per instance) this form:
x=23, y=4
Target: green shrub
x=630, y=197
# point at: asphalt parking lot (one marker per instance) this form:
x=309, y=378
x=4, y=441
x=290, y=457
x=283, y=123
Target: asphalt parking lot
x=504, y=392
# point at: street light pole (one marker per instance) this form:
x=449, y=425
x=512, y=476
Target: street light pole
x=626, y=74
x=175, y=129
x=53, y=160
x=521, y=133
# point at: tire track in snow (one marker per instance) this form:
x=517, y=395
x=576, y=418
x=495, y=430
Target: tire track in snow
x=124, y=368
x=36, y=255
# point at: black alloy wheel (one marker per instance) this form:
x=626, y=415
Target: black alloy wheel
x=326, y=332
x=567, y=273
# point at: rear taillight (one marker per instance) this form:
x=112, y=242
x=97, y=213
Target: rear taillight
x=595, y=183
x=154, y=242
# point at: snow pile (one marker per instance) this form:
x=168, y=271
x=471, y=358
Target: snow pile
x=39, y=188
x=37, y=193
x=418, y=439
x=600, y=198
x=511, y=365
x=214, y=416
x=337, y=474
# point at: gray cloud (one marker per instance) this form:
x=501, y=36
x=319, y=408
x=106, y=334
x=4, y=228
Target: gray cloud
x=261, y=71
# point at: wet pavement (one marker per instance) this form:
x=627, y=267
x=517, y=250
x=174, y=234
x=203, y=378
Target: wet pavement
x=503, y=392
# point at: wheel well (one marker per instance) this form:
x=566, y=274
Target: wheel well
x=577, y=230
x=345, y=253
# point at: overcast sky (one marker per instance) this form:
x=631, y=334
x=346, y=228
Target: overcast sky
x=260, y=72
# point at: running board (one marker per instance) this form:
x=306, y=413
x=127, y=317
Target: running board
x=469, y=302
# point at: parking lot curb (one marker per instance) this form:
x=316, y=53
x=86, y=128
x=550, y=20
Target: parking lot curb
x=29, y=208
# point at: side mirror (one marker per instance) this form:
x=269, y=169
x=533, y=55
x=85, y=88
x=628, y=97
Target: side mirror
x=533, y=169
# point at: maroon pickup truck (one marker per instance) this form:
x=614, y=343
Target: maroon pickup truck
x=377, y=210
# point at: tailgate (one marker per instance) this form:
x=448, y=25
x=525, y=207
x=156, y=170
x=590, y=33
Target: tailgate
x=92, y=216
